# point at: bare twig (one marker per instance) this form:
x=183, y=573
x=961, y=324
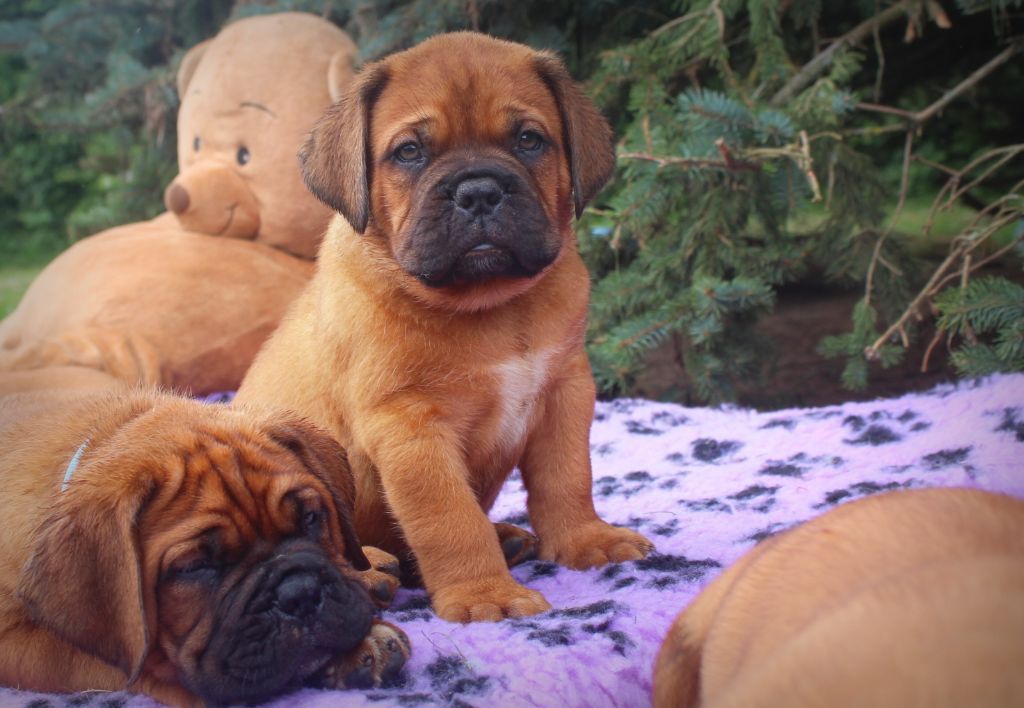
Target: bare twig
x=969, y=82
x=891, y=110
x=820, y=63
x=935, y=165
x=872, y=351
x=984, y=175
x=646, y=125
x=963, y=246
x=951, y=186
x=738, y=160
x=880, y=53
x=928, y=352
x=666, y=160
x=731, y=160
x=914, y=122
x=677, y=21
x=876, y=256
x=915, y=119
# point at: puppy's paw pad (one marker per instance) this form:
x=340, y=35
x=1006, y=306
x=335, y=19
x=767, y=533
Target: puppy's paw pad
x=518, y=545
x=627, y=551
x=382, y=579
x=487, y=601
x=596, y=544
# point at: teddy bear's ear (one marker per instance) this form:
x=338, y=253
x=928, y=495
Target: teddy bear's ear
x=188, y=65
x=340, y=72
x=335, y=158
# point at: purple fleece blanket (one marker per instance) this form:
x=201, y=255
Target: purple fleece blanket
x=705, y=485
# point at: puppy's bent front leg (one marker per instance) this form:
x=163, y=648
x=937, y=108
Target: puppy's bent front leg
x=426, y=485
x=556, y=472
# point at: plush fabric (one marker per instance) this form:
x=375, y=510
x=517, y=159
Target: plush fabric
x=248, y=98
x=705, y=485
x=186, y=299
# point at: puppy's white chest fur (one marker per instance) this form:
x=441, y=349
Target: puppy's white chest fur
x=520, y=380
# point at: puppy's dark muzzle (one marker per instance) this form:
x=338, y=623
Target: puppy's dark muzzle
x=478, y=197
x=300, y=595
x=488, y=224
x=277, y=627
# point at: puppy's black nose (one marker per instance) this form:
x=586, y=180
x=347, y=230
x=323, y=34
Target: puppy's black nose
x=299, y=595
x=479, y=196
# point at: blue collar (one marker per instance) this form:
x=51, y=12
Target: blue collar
x=73, y=465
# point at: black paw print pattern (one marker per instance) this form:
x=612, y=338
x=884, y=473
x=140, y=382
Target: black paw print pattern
x=704, y=485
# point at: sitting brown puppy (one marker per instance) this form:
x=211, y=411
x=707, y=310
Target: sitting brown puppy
x=912, y=598
x=194, y=553
x=441, y=339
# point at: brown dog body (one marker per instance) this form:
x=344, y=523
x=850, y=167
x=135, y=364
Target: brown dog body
x=150, y=303
x=190, y=552
x=444, y=345
x=904, y=599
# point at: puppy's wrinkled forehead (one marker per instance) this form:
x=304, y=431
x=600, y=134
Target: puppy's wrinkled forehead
x=463, y=89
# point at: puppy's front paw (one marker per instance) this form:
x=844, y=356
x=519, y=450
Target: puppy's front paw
x=377, y=661
x=517, y=544
x=595, y=544
x=382, y=579
x=487, y=600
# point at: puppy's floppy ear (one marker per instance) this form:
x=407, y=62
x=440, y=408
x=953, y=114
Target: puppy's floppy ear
x=327, y=461
x=335, y=159
x=585, y=132
x=83, y=580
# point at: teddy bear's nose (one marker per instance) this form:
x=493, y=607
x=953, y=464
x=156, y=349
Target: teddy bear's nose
x=177, y=199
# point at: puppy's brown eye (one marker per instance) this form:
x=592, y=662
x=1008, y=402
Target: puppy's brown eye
x=243, y=155
x=312, y=523
x=530, y=140
x=408, y=152
x=196, y=568
x=196, y=143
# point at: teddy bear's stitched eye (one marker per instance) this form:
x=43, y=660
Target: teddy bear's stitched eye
x=243, y=155
x=197, y=143
x=408, y=152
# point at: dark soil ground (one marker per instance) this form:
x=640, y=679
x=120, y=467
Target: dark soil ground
x=800, y=376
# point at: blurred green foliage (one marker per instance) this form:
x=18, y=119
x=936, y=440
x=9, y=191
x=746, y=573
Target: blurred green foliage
x=688, y=252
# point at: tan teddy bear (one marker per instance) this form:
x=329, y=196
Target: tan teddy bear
x=171, y=301
x=237, y=137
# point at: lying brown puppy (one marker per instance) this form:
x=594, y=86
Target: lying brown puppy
x=190, y=552
x=441, y=340
x=66, y=378
x=904, y=599
x=150, y=303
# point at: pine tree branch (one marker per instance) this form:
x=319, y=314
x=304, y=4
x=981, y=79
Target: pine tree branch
x=941, y=277
x=1000, y=213
x=820, y=63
